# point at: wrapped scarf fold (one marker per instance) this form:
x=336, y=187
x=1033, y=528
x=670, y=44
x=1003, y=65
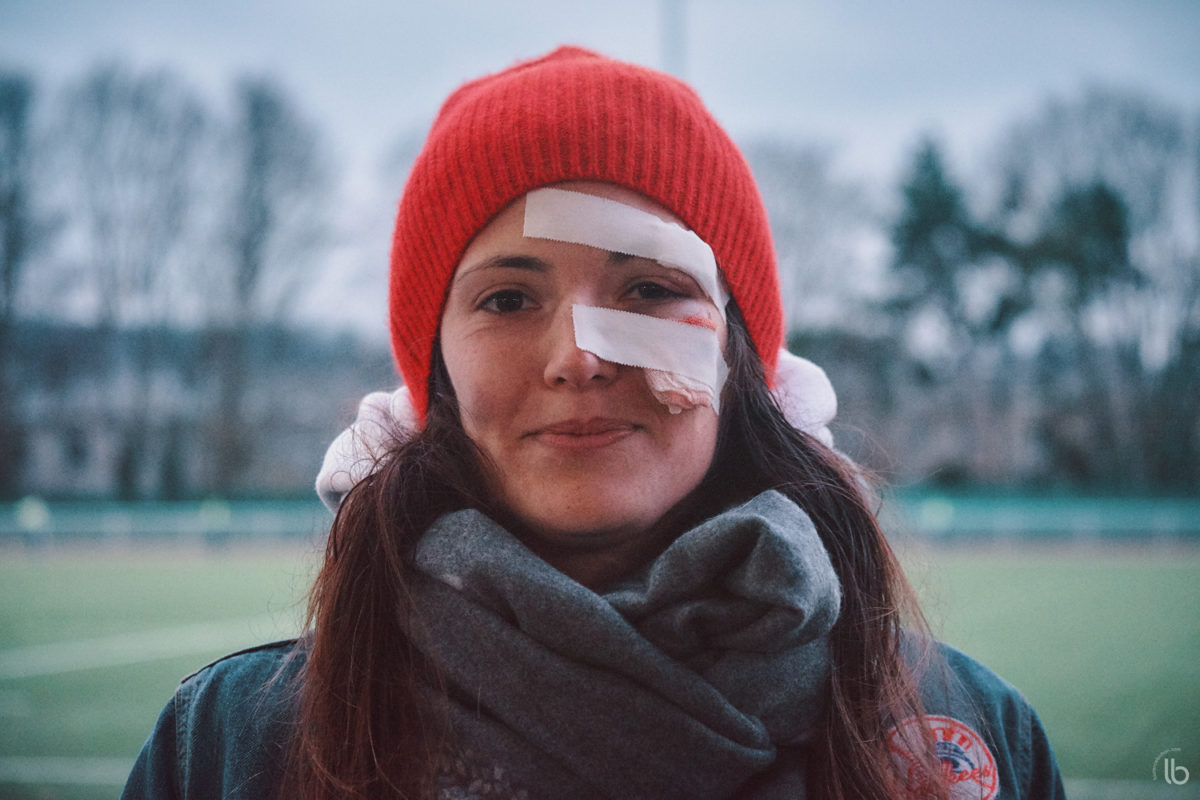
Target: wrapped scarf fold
x=700, y=676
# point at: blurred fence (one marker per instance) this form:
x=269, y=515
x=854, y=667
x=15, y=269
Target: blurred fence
x=1047, y=518
x=35, y=522
x=966, y=517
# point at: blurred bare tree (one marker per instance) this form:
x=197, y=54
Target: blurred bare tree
x=16, y=96
x=826, y=235
x=276, y=231
x=18, y=232
x=131, y=151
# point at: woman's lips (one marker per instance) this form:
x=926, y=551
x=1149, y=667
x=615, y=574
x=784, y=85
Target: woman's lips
x=584, y=434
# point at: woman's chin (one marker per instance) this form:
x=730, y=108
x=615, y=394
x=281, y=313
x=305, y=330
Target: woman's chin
x=585, y=529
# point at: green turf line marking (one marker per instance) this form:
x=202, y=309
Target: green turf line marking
x=1088, y=789
x=138, y=647
x=88, y=771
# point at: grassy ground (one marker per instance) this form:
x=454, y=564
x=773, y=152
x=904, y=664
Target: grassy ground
x=1106, y=646
x=201, y=605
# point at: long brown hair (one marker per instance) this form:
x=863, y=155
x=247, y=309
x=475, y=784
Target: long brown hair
x=880, y=641
x=370, y=721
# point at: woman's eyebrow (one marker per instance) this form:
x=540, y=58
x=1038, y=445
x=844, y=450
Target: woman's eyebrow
x=505, y=262
x=616, y=259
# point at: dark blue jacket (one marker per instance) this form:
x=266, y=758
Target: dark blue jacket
x=224, y=734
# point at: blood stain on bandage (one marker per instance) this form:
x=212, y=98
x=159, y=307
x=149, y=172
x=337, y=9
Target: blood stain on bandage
x=700, y=322
x=678, y=392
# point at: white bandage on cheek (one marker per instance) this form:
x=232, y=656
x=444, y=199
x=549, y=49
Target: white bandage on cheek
x=683, y=362
x=578, y=218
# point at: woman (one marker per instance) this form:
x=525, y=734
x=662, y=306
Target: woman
x=599, y=545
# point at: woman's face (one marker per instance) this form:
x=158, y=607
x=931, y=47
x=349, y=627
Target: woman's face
x=581, y=452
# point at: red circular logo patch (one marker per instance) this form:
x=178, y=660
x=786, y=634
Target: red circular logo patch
x=967, y=763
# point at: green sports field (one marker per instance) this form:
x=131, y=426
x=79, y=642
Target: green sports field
x=1106, y=643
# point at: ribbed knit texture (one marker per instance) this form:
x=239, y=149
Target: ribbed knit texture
x=573, y=115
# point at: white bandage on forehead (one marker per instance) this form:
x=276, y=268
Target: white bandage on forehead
x=578, y=218
x=683, y=362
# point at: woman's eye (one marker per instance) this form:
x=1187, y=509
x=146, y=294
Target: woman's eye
x=504, y=302
x=648, y=290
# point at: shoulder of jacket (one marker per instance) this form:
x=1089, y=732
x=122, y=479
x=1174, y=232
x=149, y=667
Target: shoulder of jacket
x=259, y=659
x=229, y=721
x=243, y=693
x=982, y=684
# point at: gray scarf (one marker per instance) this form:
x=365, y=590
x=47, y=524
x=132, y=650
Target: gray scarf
x=700, y=676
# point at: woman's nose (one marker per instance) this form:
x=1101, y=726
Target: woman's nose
x=566, y=364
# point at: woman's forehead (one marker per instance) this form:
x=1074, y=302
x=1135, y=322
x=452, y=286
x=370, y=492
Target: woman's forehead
x=608, y=191
x=622, y=195
x=509, y=223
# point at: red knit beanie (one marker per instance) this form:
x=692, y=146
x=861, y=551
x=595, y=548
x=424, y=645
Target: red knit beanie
x=573, y=115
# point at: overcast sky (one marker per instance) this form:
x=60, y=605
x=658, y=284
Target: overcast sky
x=866, y=77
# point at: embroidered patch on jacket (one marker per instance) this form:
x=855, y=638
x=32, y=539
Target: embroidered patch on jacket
x=967, y=763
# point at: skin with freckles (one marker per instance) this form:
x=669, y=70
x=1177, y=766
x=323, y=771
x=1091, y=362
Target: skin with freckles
x=580, y=452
